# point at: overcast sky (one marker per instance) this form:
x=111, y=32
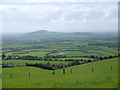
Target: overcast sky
x=29, y=15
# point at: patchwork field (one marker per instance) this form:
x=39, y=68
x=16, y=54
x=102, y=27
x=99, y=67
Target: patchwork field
x=44, y=59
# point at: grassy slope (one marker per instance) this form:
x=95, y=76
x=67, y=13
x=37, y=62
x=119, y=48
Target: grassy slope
x=82, y=77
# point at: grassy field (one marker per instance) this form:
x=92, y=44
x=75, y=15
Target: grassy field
x=40, y=54
x=74, y=58
x=55, y=47
x=22, y=62
x=81, y=76
x=87, y=53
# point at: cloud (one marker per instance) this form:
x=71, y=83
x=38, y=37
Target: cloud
x=62, y=17
x=82, y=14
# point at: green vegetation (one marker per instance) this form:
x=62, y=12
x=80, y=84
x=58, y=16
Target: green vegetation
x=81, y=76
x=41, y=54
x=89, y=59
x=70, y=44
x=23, y=62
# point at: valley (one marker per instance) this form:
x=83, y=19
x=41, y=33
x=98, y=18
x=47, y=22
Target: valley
x=41, y=57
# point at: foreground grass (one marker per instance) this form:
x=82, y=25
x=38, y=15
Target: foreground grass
x=81, y=77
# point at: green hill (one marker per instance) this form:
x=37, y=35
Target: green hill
x=43, y=34
x=104, y=75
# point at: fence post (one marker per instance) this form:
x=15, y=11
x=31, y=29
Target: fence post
x=63, y=71
x=111, y=68
x=10, y=75
x=29, y=74
x=71, y=70
x=53, y=72
x=53, y=68
x=92, y=69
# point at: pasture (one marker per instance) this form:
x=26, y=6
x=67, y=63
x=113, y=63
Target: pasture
x=82, y=76
x=23, y=62
x=90, y=56
x=40, y=54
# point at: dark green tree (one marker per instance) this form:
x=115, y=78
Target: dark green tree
x=3, y=56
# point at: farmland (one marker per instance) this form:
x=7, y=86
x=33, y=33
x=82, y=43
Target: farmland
x=92, y=57
x=81, y=77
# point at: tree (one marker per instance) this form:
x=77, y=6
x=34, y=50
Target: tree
x=92, y=56
x=89, y=61
x=3, y=56
x=101, y=58
x=110, y=56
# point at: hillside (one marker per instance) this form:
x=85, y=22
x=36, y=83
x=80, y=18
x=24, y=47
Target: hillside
x=81, y=77
x=44, y=34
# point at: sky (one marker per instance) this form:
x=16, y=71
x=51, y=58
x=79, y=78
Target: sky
x=22, y=16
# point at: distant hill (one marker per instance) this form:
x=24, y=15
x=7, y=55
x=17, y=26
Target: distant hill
x=48, y=35
x=39, y=31
x=44, y=34
x=41, y=36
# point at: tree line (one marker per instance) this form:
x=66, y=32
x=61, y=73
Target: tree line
x=55, y=58
x=54, y=66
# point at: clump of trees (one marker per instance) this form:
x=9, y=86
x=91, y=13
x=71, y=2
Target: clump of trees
x=108, y=44
x=49, y=66
x=3, y=56
x=54, y=58
x=54, y=66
